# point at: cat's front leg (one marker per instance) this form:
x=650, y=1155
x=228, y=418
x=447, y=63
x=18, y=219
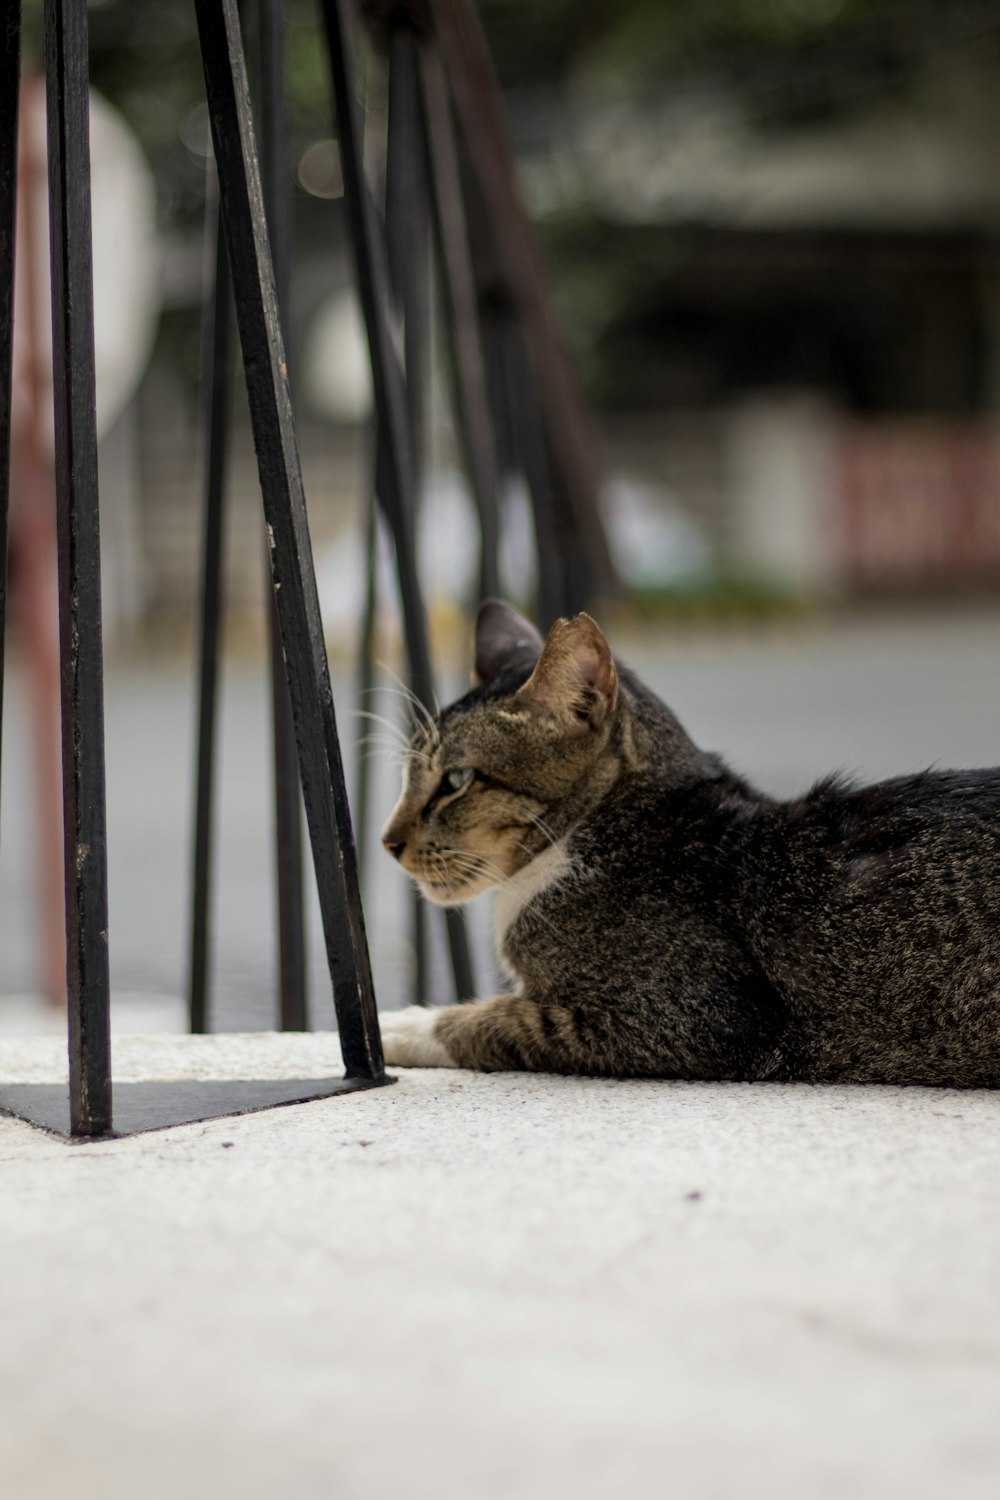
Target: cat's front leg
x=509, y=1034
x=409, y=1038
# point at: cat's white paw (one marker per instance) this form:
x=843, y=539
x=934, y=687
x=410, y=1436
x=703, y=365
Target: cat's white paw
x=408, y=1039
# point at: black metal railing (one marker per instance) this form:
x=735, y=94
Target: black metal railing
x=448, y=189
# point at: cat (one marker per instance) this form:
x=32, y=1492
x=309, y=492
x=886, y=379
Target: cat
x=660, y=918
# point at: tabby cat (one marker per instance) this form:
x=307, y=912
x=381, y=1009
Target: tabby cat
x=660, y=918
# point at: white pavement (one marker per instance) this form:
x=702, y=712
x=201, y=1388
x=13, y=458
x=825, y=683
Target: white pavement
x=501, y=1286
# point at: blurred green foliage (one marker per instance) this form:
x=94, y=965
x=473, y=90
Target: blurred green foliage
x=803, y=58
x=144, y=53
x=642, y=42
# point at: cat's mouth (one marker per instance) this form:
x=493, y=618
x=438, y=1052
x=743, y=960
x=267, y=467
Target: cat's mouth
x=448, y=892
x=453, y=887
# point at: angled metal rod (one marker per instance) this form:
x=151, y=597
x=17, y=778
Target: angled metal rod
x=406, y=232
x=288, y=536
x=293, y=1012
x=292, y=966
x=507, y=253
x=216, y=372
x=394, y=479
x=10, y=81
x=78, y=529
x=461, y=312
x=406, y=237
x=365, y=678
x=521, y=443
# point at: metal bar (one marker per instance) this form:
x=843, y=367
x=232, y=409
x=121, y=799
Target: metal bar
x=85, y=838
x=406, y=226
x=274, y=148
x=421, y=953
x=10, y=79
x=507, y=255
x=288, y=535
x=366, y=680
x=292, y=967
x=461, y=312
x=394, y=479
x=406, y=236
x=287, y=795
x=216, y=392
x=522, y=449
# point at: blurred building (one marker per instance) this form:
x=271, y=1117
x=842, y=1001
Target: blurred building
x=778, y=266
x=800, y=336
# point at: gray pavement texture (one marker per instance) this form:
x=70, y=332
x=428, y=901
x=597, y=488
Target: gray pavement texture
x=503, y=1286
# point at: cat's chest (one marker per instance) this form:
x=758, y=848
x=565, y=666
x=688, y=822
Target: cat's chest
x=545, y=870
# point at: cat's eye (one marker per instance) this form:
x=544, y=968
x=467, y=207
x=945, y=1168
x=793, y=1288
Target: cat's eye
x=454, y=781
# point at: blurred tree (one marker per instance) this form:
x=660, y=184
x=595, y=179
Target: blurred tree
x=794, y=60
x=145, y=55
x=639, y=42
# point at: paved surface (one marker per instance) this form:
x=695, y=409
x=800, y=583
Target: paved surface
x=468, y=1286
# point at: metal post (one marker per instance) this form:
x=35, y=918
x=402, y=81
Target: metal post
x=365, y=677
x=288, y=535
x=85, y=841
x=394, y=475
x=216, y=393
x=406, y=247
x=287, y=794
x=406, y=226
x=508, y=262
x=10, y=79
x=461, y=313
x=522, y=445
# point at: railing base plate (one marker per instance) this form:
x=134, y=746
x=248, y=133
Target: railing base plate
x=158, y=1105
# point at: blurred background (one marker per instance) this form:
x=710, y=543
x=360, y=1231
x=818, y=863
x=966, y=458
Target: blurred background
x=773, y=239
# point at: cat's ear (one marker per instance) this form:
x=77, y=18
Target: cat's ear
x=504, y=639
x=574, y=679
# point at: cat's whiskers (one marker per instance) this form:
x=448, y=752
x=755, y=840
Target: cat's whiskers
x=579, y=867
x=393, y=728
x=395, y=750
x=381, y=753
x=548, y=833
x=452, y=866
x=502, y=881
x=381, y=738
x=419, y=714
x=411, y=723
x=437, y=871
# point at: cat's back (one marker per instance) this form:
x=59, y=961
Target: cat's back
x=875, y=911
x=924, y=804
x=928, y=842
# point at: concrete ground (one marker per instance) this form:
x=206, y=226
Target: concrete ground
x=468, y=1286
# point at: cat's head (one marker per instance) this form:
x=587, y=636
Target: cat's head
x=487, y=784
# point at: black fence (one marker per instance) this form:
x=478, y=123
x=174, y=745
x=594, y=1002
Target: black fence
x=449, y=194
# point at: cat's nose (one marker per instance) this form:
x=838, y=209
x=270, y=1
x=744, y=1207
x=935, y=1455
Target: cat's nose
x=394, y=838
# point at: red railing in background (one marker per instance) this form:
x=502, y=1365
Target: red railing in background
x=918, y=503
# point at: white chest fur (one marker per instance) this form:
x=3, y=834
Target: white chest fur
x=545, y=870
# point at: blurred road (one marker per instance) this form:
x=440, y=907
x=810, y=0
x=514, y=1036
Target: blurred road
x=875, y=696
